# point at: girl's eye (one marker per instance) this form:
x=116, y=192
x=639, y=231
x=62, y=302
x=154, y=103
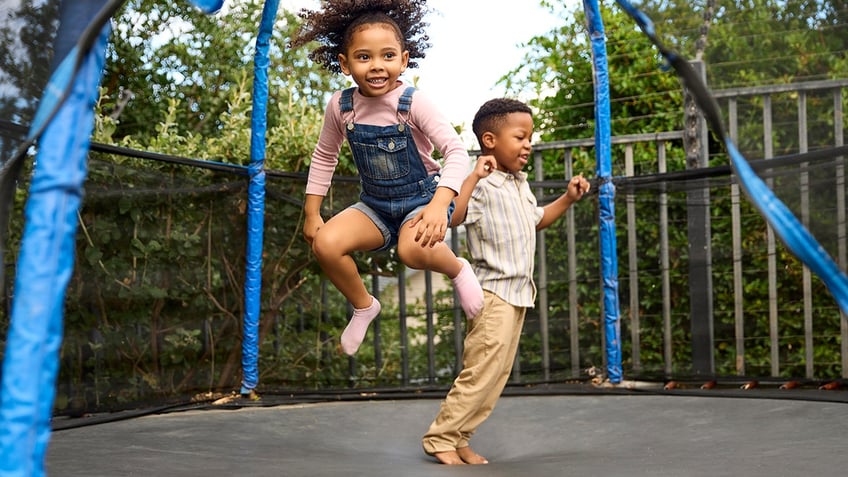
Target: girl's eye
x=389, y=56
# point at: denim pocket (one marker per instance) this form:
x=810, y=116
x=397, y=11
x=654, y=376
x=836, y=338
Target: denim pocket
x=382, y=158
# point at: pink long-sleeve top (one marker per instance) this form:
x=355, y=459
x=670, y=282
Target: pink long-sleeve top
x=430, y=128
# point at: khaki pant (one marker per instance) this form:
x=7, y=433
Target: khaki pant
x=490, y=346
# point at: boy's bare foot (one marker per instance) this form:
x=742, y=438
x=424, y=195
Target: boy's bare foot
x=468, y=456
x=449, y=458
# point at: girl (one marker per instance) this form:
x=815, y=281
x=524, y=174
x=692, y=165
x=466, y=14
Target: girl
x=407, y=197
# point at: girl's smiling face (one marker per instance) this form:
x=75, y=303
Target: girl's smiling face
x=374, y=58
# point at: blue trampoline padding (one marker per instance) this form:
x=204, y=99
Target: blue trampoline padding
x=603, y=169
x=44, y=268
x=256, y=201
x=208, y=6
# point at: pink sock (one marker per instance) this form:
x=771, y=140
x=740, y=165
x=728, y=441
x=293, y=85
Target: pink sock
x=355, y=331
x=468, y=289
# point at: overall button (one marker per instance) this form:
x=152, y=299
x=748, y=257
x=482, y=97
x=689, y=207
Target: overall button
x=401, y=127
x=350, y=126
x=391, y=145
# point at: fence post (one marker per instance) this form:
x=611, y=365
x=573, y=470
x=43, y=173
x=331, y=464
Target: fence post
x=700, y=254
x=542, y=271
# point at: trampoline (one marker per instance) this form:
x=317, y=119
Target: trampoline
x=571, y=430
x=536, y=430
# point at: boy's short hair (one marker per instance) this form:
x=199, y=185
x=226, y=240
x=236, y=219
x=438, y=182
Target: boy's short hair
x=491, y=114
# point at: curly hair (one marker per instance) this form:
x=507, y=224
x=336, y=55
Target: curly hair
x=334, y=23
x=492, y=113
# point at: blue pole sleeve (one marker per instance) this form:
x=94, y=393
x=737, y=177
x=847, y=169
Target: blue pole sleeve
x=256, y=201
x=606, y=192
x=208, y=6
x=45, y=265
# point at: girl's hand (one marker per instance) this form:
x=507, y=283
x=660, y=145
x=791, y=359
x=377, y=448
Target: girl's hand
x=432, y=225
x=310, y=227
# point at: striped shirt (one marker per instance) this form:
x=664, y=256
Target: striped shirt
x=500, y=225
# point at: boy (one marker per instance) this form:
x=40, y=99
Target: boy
x=501, y=219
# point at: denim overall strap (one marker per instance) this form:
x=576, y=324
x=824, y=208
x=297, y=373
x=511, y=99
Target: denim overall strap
x=346, y=104
x=405, y=104
x=387, y=158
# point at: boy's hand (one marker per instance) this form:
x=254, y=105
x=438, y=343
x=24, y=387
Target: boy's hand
x=485, y=165
x=578, y=186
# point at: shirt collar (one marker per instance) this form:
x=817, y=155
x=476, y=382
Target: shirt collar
x=498, y=178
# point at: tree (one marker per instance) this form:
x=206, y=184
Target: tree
x=26, y=35
x=751, y=42
x=170, y=51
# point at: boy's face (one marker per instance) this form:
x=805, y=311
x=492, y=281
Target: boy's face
x=374, y=59
x=510, y=144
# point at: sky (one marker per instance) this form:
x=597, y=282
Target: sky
x=474, y=43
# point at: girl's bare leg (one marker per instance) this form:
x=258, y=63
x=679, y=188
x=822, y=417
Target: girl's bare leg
x=441, y=259
x=345, y=233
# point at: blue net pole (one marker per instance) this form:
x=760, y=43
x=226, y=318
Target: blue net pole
x=45, y=263
x=208, y=6
x=256, y=201
x=606, y=192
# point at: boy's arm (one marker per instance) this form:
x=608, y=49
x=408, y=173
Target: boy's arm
x=485, y=165
x=577, y=187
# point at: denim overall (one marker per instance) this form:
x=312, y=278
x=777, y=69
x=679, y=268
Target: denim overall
x=394, y=182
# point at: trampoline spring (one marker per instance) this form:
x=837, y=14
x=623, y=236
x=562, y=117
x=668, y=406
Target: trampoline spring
x=831, y=386
x=790, y=385
x=708, y=385
x=750, y=385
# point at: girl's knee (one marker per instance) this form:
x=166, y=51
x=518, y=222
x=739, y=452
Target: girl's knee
x=414, y=255
x=439, y=258
x=322, y=245
x=404, y=253
x=330, y=243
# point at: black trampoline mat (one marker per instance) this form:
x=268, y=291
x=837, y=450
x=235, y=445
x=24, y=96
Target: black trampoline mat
x=604, y=435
